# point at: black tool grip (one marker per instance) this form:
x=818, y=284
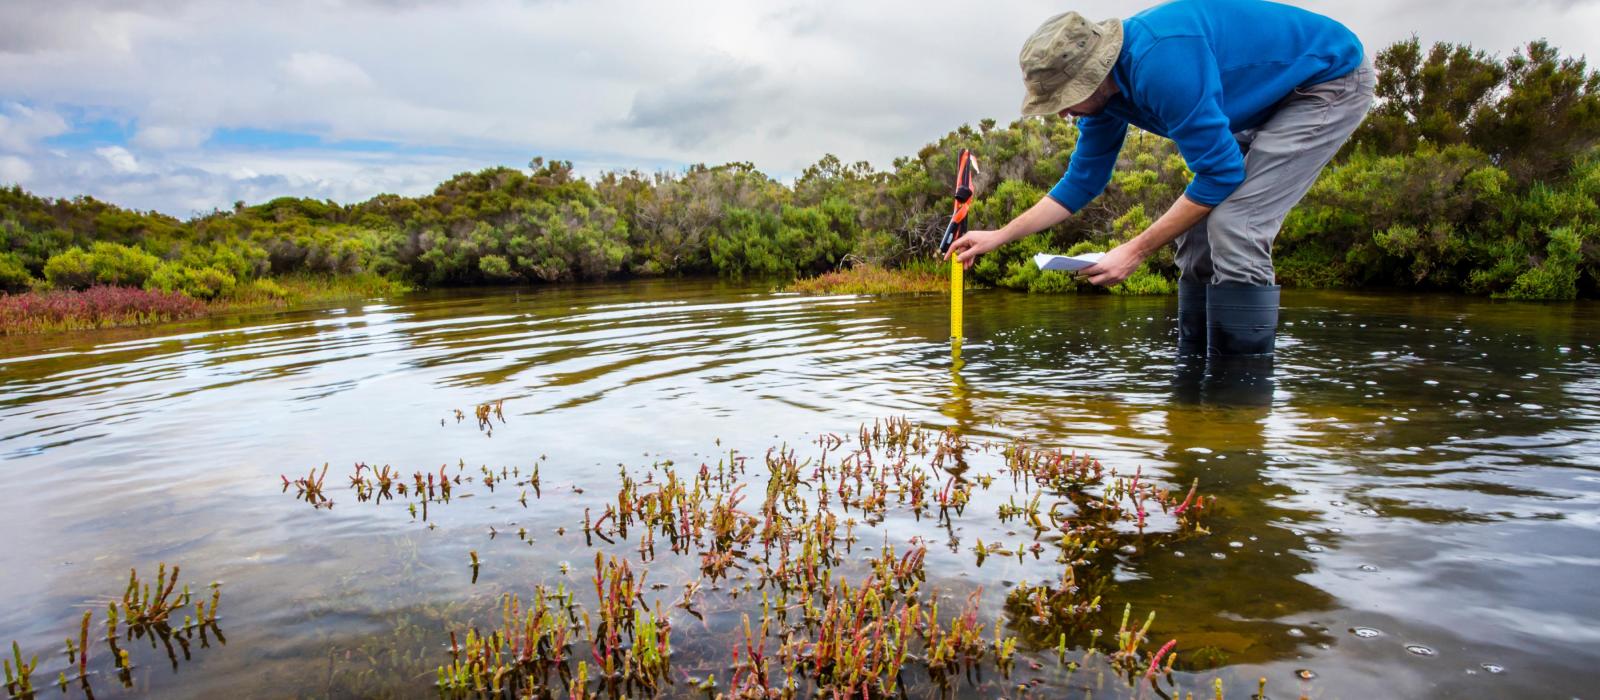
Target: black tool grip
x=955, y=228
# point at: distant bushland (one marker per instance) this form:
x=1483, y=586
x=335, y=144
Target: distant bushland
x=1473, y=174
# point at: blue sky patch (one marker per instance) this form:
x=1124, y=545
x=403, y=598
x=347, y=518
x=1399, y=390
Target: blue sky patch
x=93, y=133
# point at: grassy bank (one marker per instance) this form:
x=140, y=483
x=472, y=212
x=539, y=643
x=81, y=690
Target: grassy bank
x=304, y=289
x=928, y=278
x=107, y=306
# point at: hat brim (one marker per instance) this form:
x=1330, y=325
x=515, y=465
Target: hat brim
x=1081, y=86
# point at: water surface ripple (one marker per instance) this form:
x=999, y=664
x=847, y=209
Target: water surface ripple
x=1418, y=472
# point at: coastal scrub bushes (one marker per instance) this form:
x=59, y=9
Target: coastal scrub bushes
x=1473, y=174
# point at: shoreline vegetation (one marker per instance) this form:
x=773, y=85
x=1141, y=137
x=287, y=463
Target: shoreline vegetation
x=109, y=306
x=927, y=277
x=1473, y=174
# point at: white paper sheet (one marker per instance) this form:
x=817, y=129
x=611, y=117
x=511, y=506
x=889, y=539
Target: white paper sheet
x=1051, y=261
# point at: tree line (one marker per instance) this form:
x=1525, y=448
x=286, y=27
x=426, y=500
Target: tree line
x=1473, y=173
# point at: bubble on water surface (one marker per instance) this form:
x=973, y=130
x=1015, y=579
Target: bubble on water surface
x=1313, y=548
x=1218, y=555
x=1493, y=668
x=1420, y=650
x=1365, y=632
x=1533, y=407
x=1235, y=544
x=1368, y=567
x=1304, y=674
x=1295, y=632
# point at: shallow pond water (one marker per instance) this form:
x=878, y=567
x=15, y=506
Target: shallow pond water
x=1407, y=507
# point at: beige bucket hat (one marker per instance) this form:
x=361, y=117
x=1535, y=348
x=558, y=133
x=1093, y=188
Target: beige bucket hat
x=1065, y=60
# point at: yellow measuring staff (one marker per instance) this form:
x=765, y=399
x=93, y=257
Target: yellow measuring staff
x=956, y=287
x=958, y=226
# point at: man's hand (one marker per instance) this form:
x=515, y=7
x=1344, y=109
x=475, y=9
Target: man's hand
x=1115, y=267
x=975, y=243
x=1042, y=215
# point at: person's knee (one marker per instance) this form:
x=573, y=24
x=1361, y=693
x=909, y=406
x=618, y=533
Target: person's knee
x=1240, y=253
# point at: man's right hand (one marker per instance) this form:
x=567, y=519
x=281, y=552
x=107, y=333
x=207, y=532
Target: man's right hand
x=968, y=247
x=1045, y=213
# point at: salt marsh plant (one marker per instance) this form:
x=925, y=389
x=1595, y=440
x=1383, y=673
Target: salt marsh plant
x=146, y=611
x=771, y=543
x=309, y=487
x=19, y=679
x=96, y=307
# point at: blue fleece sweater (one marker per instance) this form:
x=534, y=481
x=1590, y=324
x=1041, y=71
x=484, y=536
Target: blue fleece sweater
x=1196, y=71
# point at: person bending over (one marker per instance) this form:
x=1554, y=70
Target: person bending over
x=1257, y=96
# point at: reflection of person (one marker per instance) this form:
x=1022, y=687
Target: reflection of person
x=1258, y=97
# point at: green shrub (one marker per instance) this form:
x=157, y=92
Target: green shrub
x=71, y=269
x=799, y=240
x=1145, y=282
x=121, y=265
x=242, y=259
x=1556, y=277
x=14, y=275
x=747, y=245
x=205, y=283
x=104, y=263
x=495, y=267
x=265, y=288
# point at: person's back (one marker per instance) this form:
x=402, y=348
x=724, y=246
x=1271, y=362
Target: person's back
x=1262, y=50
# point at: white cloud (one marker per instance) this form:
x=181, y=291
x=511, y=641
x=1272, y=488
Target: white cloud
x=167, y=137
x=14, y=170
x=23, y=127
x=320, y=70
x=118, y=158
x=624, y=83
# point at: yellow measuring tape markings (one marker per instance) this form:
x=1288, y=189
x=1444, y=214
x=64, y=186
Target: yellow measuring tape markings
x=956, y=286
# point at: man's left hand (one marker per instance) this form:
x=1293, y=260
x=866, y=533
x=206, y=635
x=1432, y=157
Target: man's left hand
x=1115, y=267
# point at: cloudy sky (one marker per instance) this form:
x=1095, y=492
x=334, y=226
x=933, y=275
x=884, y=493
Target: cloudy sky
x=187, y=105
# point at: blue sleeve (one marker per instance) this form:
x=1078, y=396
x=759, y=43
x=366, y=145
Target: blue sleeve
x=1099, y=141
x=1179, y=81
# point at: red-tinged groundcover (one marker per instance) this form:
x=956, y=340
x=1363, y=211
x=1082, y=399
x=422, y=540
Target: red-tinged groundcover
x=95, y=307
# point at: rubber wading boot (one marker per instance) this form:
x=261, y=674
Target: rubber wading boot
x=1241, y=320
x=1191, y=317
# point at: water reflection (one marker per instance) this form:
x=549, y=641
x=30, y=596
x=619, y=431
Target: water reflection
x=1421, y=467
